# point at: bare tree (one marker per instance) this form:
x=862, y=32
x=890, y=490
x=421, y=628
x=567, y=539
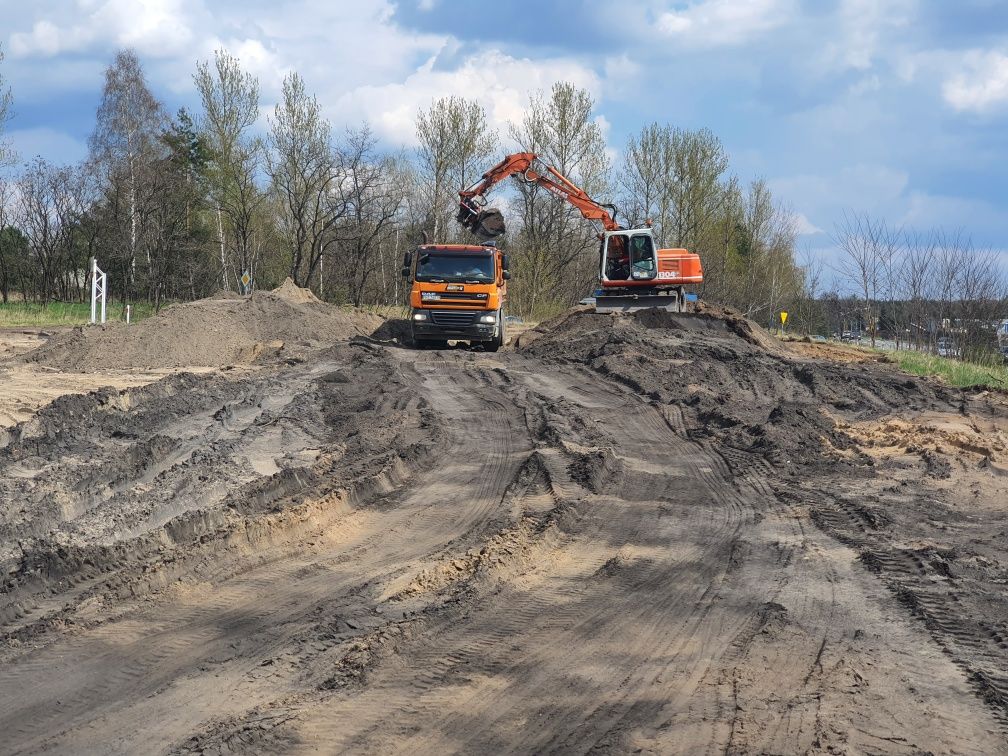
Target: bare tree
x=808, y=299
x=455, y=147
x=643, y=176
x=305, y=175
x=556, y=250
x=373, y=193
x=230, y=99
x=863, y=241
x=981, y=293
x=7, y=159
x=919, y=254
x=7, y=156
x=952, y=250
x=43, y=215
x=764, y=273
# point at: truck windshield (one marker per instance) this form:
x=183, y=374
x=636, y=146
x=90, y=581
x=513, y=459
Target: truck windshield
x=436, y=267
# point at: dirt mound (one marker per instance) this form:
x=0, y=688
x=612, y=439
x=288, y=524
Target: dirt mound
x=289, y=291
x=220, y=330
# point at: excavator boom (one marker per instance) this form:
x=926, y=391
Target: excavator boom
x=527, y=167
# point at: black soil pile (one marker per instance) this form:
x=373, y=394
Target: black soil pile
x=737, y=383
x=224, y=329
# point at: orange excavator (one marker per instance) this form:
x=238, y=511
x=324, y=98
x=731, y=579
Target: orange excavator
x=633, y=273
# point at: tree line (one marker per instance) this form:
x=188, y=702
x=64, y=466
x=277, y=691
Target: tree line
x=178, y=206
x=916, y=287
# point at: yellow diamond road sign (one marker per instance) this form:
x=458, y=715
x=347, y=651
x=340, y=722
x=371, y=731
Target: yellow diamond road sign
x=246, y=279
x=783, y=317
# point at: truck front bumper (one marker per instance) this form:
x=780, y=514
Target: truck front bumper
x=454, y=325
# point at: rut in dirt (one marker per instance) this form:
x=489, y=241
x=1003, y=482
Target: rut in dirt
x=630, y=533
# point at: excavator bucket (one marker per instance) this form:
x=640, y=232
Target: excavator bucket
x=485, y=224
x=489, y=224
x=674, y=301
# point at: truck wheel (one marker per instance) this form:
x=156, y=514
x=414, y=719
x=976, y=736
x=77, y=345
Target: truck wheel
x=498, y=340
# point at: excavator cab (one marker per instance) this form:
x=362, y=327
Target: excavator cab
x=629, y=256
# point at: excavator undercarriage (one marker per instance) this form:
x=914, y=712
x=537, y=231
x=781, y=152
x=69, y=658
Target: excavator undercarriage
x=624, y=302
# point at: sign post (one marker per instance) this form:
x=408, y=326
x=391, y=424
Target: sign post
x=783, y=321
x=98, y=281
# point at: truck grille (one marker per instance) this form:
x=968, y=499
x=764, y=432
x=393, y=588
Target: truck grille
x=453, y=318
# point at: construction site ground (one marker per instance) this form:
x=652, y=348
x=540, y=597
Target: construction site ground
x=267, y=524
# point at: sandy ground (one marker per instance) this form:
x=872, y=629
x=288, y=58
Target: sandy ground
x=656, y=534
x=28, y=386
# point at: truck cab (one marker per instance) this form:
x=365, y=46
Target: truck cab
x=458, y=294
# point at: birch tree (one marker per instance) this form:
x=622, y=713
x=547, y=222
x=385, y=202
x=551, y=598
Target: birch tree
x=456, y=146
x=123, y=146
x=230, y=98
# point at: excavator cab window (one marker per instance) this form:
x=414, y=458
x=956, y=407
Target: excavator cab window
x=642, y=257
x=617, y=261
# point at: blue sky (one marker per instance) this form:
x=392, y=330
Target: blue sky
x=895, y=108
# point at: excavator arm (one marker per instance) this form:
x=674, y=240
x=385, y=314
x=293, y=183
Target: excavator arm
x=527, y=167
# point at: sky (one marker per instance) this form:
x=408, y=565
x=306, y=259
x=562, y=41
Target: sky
x=897, y=109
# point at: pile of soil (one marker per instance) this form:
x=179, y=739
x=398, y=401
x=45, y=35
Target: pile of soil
x=224, y=329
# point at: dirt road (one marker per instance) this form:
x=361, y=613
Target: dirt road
x=652, y=533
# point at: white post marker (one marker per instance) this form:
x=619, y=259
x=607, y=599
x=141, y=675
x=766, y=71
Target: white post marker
x=98, y=281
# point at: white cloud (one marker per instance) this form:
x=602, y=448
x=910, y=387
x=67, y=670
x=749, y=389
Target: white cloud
x=723, y=22
x=501, y=83
x=158, y=28
x=980, y=83
x=336, y=47
x=804, y=226
x=862, y=30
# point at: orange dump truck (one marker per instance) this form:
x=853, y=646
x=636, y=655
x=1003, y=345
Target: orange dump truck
x=458, y=294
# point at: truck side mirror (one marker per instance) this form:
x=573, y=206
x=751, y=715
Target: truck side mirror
x=404, y=272
x=505, y=262
x=407, y=259
x=507, y=275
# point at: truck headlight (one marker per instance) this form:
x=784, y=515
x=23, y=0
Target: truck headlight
x=419, y=316
x=491, y=318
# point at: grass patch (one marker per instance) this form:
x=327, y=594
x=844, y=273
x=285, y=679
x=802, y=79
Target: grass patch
x=13, y=314
x=953, y=372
